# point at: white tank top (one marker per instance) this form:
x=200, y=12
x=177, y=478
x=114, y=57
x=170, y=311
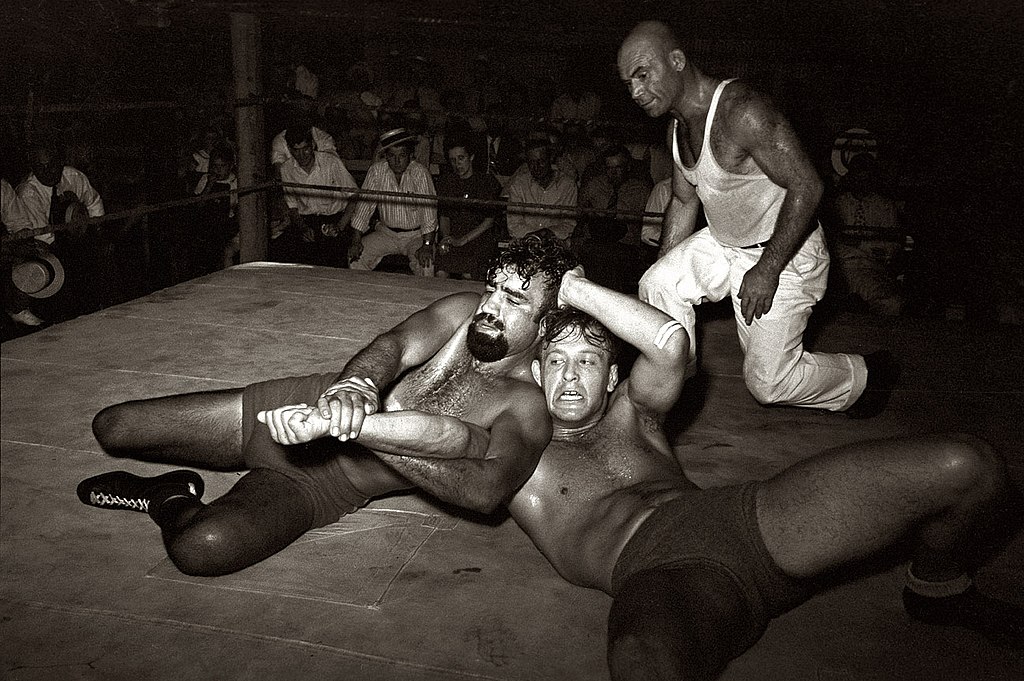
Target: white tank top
x=741, y=209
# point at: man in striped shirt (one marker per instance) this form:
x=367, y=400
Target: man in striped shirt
x=404, y=225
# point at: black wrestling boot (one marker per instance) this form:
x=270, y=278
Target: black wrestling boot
x=1000, y=622
x=883, y=374
x=124, y=491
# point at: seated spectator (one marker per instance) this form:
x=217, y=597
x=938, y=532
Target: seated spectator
x=468, y=237
x=503, y=151
x=316, y=217
x=868, y=238
x=198, y=161
x=216, y=245
x=601, y=139
x=404, y=226
x=576, y=151
x=55, y=194
x=357, y=102
x=617, y=188
x=17, y=304
x=542, y=184
x=279, y=152
x=609, y=245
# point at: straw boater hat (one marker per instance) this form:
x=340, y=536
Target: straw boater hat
x=396, y=136
x=37, y=272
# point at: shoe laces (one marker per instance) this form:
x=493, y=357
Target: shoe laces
x=104, y=499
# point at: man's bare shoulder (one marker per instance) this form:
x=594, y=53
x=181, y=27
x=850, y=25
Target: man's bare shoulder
x=461, y=304
x=748, y=114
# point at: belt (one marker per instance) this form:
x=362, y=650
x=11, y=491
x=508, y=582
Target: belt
x=407, y=229
x=759, y=245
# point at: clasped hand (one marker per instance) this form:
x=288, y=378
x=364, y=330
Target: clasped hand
x=294, y=424
x=340, y=411
x=346, y=404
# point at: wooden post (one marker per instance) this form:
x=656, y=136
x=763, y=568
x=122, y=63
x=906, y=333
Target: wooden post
x=252, y=159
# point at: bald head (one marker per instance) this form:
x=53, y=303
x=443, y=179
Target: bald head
x=655, y=35
x=653, y=66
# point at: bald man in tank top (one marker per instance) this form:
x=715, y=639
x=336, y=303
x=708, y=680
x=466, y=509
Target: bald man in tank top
x=735, y=154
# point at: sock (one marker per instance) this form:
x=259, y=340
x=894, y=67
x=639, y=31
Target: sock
x=168, y=502
x=944, y=589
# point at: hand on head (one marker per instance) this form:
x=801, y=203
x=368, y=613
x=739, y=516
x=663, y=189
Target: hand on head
x=567, y=279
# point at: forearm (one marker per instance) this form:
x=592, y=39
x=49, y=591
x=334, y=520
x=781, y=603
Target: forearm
x=629, y=318
x=679, y=223
x=795, y=222
x=410, y=433
x=476, y=484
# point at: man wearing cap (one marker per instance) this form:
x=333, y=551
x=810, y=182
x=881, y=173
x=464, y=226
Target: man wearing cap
x=404, y=225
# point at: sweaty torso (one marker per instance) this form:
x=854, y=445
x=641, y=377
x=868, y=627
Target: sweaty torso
x=741, y=203
x=729, y=155
x=588, y=495
x=451, y=384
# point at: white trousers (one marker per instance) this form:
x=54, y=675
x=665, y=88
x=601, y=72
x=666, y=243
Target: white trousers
x=776, y=369
x=383, y=241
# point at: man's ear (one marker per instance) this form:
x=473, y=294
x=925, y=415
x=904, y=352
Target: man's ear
x=535, y=369
x=613, y=377
x=677, y=59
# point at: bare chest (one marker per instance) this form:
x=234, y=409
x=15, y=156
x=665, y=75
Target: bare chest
x=452, y=388
x=690, y=142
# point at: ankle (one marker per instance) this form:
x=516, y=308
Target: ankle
x=168, y=504
x=938, y=588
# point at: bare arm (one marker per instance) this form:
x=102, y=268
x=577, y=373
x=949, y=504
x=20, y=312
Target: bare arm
x=657, y=376
x=681, y=212
x=409, y=344
x=403, y=433
x=758, y=128
x=514, y=444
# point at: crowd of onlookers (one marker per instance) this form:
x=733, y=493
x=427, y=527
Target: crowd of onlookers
x=445, y=175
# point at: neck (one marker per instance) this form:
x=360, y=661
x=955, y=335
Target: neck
x=564, y=432
x=694, y=101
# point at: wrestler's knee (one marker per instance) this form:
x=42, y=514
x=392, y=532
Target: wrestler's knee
x=968, y=464
x=207, y=549
x=658, y=281
x=112, y=426
x=766, y=389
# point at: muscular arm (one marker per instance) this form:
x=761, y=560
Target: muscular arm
x=681, y=211
x=403, y=433
x=512, y=448
x=657, y=377
x=759, y=129
x=409, y=344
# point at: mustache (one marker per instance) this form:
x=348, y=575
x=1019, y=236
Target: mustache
x=489, y=319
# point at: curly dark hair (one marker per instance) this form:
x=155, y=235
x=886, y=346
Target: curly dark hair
x=567, y=322
x=536, y=254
